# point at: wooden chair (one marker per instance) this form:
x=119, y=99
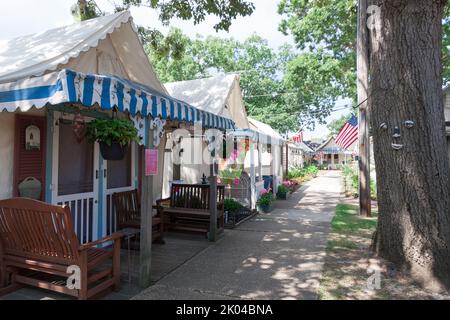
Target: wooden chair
x=187, y=209
x=38, y=244
x=128, y=213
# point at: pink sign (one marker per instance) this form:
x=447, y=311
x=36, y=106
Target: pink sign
x=151, y=162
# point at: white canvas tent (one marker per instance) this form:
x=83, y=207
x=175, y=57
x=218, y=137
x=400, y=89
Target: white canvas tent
x=56, y=82
x=82, y=71
x=107, y=45
x=220, y=95
x=269, y=160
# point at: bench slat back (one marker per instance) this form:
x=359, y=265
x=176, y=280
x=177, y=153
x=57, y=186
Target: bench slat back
x=193, y=196
x=34, y=229
x=127, y=206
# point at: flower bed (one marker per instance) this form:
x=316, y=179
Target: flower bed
x=291, y=185
x=300, y=175
x=233, y=219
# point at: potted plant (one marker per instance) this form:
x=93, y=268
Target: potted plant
x=231, y=208
x=113, y=136
x=282, y=192
x=265, y=202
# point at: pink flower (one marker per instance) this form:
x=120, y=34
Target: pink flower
x=233, y=155
x=263, y=192
x=236, y=181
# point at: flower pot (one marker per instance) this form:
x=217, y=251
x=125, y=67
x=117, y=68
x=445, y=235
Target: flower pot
x=113, y=152
x=282, y=195
x=265, y=208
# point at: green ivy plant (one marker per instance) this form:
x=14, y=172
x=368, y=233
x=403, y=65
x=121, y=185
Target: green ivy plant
x=110, y=130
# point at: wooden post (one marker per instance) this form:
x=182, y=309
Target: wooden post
x=212, y=235
x=362, y=60
x=287, y=160
x=259, y=159
x=146, y=214
x=252, y=174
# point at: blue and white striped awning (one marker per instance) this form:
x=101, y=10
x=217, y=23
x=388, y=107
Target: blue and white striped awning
x=333, y=150
x=67, y=86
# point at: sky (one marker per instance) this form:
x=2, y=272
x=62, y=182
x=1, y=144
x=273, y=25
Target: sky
x=21, y=17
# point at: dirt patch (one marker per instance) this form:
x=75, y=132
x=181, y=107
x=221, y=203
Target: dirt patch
x=352, y=272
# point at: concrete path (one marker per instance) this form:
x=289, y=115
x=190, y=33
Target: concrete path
x=273, y=256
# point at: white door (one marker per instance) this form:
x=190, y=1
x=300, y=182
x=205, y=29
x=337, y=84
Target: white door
x=118, y=176
x=75, y=176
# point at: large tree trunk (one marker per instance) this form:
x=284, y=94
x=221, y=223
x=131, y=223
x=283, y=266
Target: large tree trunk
x=413, y=182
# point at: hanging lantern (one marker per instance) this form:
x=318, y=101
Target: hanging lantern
x=79, y=127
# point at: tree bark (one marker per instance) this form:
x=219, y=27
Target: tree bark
x=413, y=182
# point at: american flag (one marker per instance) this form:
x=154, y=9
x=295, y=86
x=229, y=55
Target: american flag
x=348, y=133
x=298, y=137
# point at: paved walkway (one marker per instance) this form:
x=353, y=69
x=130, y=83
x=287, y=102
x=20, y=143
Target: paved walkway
x=273, y=256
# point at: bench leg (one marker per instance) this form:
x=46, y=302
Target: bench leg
x=83, y=291
x=116, y=265
x=2, y=275
x=158, y=233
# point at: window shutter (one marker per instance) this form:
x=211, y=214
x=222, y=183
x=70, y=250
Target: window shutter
x=29, y=161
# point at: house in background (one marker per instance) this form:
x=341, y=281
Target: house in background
x=296, y=155
x=332, y=155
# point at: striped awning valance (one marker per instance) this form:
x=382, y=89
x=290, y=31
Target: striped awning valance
x=105, y=91
x=333, y=150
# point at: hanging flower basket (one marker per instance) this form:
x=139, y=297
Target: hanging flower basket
x=113, y=136
x=113, y=152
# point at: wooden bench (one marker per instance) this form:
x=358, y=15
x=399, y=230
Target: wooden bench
x=128, y=213
x=187, y=209
x=38, y=243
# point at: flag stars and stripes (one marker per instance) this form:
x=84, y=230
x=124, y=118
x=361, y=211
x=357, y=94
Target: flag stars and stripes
x=348, y=133
x=298, y=137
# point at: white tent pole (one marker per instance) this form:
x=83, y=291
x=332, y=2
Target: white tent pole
x=252, y=173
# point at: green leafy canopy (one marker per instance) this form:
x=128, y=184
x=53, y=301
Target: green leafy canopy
x=225, y=10
x=268, y=95
x=325, y=31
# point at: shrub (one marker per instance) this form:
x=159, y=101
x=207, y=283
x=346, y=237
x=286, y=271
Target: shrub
x=312, y=169
x=231, y=205
x=355, y=181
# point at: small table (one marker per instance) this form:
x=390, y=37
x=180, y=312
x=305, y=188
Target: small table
x=128, y=234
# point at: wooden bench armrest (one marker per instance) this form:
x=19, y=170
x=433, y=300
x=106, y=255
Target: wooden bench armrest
x=158, y=202
x=113, y=237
